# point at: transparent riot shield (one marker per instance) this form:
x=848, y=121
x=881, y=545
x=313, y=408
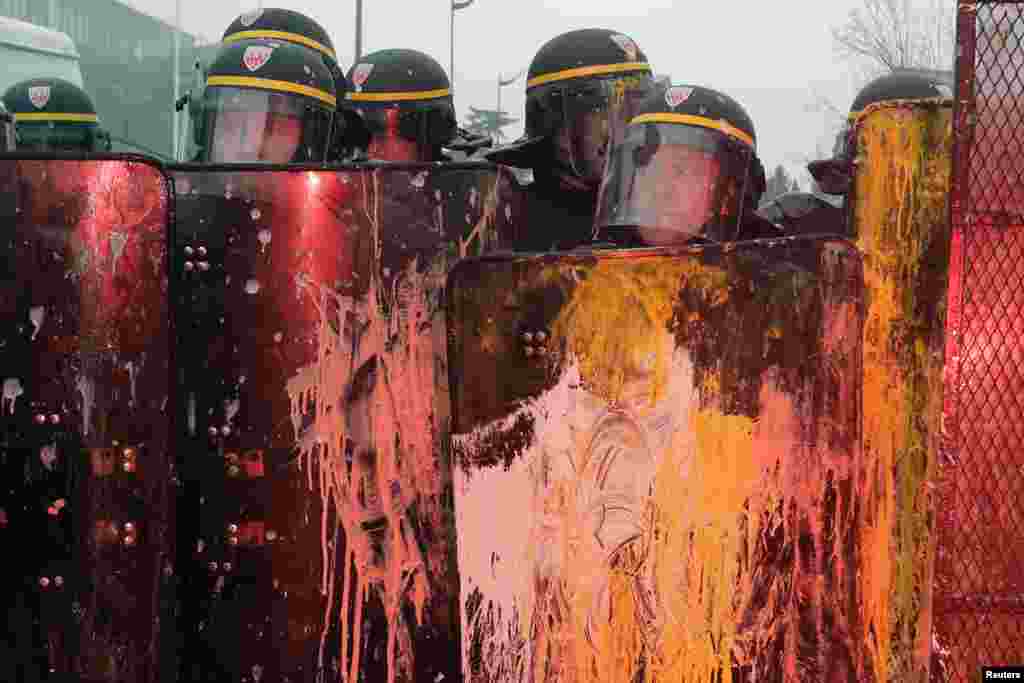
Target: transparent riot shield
x=86, y=502
x=657, y=459
x=315, y=417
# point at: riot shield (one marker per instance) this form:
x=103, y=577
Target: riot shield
x=657, y=457
x=314, y=409
x=86, y=506
x=899, y=214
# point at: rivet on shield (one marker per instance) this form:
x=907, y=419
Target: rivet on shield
x=189, y=251
x=204, y=266
x=189, y=266
x=202, y=251
x=40, y=418
x=44, y=581
x=212, y=431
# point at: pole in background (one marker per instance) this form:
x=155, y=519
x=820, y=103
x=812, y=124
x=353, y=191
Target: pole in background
x=456, y=5
x=175, y=120
x=359, y=30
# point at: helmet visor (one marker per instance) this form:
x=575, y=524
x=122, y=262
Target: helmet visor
x=427, y=123
x=58, y=136
x=249, y=125
x=587, y=115
x=668, y=183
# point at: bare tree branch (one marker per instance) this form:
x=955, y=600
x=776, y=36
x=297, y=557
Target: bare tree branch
x=898, y=34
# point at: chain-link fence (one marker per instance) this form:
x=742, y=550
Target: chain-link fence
x=979, y=589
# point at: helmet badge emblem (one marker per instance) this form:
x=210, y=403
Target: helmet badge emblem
x=249, y=18
x=676, y=95
x=256, y=56
x=39, y=95
x=361, y=74
x=627, y=45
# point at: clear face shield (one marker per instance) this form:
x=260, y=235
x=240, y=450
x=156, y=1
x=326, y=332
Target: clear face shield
x=240, y=125
x=593, y=114
x=396, y=135
x=59, y=136
x=669, y=183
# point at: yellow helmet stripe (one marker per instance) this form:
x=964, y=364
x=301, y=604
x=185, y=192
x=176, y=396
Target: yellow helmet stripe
x=54, y=116
x=270, y=84
x=398, y=96
x=581, y=71
x=282, y=35
x=692, y=120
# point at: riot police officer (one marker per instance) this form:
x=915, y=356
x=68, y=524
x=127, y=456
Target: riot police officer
x=7, y=138
x=807, y=213
x=577, y=87
x=402, y=101
x=53, y=114
x=686, y=170
x=293, y=27
x=265, y=101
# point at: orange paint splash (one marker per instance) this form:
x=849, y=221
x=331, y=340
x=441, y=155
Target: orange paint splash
x=900, y=220
x=651, y=522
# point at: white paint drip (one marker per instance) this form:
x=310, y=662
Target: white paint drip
x=264, y=236
x=191, y=414
x=531, y=545
x=117, y=244
x=87, y=389
x=48, y=455
x=132, y=374
x=12, y=390
x=36, y=315
x=231, y=408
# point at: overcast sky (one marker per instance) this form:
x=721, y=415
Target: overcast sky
x=774, y=58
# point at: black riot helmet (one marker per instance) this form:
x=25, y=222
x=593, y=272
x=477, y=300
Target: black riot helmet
x=54, y=114
x=403, y=101
x=265, y=101
x=293, y=27
x=686, y=168
x=6, y=129
x=834, y=175
x=577, y=86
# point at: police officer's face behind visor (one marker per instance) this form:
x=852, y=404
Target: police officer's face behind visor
x=670, y=183
x=254, y=125
x=595, y=113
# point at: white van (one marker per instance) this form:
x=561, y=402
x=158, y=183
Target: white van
x=30, y=51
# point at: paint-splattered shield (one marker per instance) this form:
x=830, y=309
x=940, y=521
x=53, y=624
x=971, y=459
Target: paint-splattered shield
x=314, y=414
x=84, y=505
x=656, y=459
x=899, y=197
